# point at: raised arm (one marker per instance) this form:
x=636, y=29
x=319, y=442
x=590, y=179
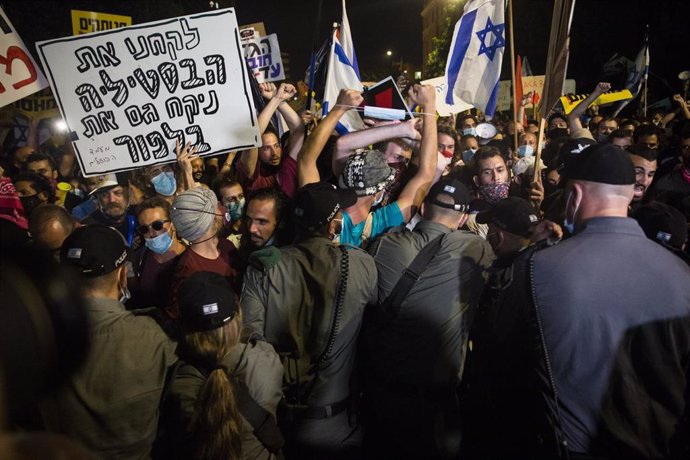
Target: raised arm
x=292, y=118
x=250, y=157
x=415, y=190
x=185, y=155
x=307, y=172
x=683, y=105
x=574, y=116
x=347, y=144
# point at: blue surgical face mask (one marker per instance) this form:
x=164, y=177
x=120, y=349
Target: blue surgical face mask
x=159, y=244
x=469, y=132
x=525, y=151
x=468, y=154
x=235, y=209
x=165, y=183
x=567, y=224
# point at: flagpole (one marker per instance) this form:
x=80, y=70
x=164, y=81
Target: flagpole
x=512, y=70
x=312, y=63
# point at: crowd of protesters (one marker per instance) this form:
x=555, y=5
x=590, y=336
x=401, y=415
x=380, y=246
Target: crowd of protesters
x=410, y=290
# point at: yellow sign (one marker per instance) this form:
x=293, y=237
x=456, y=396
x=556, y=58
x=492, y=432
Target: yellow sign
x=570, y=101
x=84, y=22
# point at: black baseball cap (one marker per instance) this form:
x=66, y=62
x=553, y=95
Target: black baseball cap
x=663, y=224
x=514, y=215
x=454, y=188
x=206, y=301
x=572, y=148
x=95, y=250
x=602, y=163
x=317, y=204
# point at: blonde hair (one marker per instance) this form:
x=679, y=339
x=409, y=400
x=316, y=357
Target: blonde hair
x=217, y=423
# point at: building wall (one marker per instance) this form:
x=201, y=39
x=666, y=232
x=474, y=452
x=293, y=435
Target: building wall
x=433, y=20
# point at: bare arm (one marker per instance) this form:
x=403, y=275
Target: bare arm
x=346, y=145
x=228, y=162
x=292, y=118
x=185, y=155
x=684, y=110
x=574, y=116
x=307, y=172
x=415, y=190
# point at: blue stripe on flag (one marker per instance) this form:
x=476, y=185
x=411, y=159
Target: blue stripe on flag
x=340, y=52
x=462, y=42
x=355, y=65
x=493, y=101
x=341, y=129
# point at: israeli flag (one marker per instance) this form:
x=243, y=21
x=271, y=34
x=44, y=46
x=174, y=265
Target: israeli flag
x=474, y=62
x=343, y=73
x=637, y=74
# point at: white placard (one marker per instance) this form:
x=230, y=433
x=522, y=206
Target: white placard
x=128, y=94
x=263, y=57
x=443, y=109
x=19, y=74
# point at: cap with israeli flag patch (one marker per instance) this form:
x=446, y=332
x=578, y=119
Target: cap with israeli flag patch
x=206, y=301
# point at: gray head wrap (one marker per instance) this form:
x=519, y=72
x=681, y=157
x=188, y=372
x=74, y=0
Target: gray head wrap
x=193, y=212
x=367, y=173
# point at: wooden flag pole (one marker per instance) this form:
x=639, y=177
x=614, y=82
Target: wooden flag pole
x=537, y=158
x=512, y=70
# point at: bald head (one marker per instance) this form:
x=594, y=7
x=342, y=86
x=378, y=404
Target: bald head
x=49, y=225
x=586, y=199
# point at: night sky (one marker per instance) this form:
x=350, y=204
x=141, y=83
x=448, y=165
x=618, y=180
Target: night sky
x=600, y=28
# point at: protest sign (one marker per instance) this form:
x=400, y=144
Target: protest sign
x=535, y=85
x=38, y=105
x=85, y=22
x=443, y=109
x=127, y=95
x=20, y=76
x=263, y=58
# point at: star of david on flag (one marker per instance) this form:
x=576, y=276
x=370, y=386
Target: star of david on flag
x=473, y=68
x=499, y=41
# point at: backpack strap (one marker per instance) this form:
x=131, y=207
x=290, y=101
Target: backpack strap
x=390, y=307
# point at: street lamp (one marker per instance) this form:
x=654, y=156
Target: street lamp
x=389, y=53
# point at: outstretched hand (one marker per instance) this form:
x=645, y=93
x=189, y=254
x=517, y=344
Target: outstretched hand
x=186, y=155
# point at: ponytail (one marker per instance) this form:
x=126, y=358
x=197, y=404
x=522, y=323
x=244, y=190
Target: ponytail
x=217, y=425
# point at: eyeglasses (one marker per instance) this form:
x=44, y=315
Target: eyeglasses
x=685, y=147
x=156, y=225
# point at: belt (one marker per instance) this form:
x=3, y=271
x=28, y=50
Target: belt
x=314, y=412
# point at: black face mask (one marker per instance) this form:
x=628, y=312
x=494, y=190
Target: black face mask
x=198, y=175
x=30, y=203
x=555, y=133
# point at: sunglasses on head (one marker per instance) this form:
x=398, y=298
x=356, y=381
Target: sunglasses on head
x=156, y=225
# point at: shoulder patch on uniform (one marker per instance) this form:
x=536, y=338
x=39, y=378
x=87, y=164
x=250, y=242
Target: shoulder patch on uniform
x=264, y=258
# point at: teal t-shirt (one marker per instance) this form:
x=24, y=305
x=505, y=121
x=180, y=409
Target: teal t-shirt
x=384, y=218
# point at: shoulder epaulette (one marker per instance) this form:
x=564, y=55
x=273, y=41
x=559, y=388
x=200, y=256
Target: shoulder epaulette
x=264, y=258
